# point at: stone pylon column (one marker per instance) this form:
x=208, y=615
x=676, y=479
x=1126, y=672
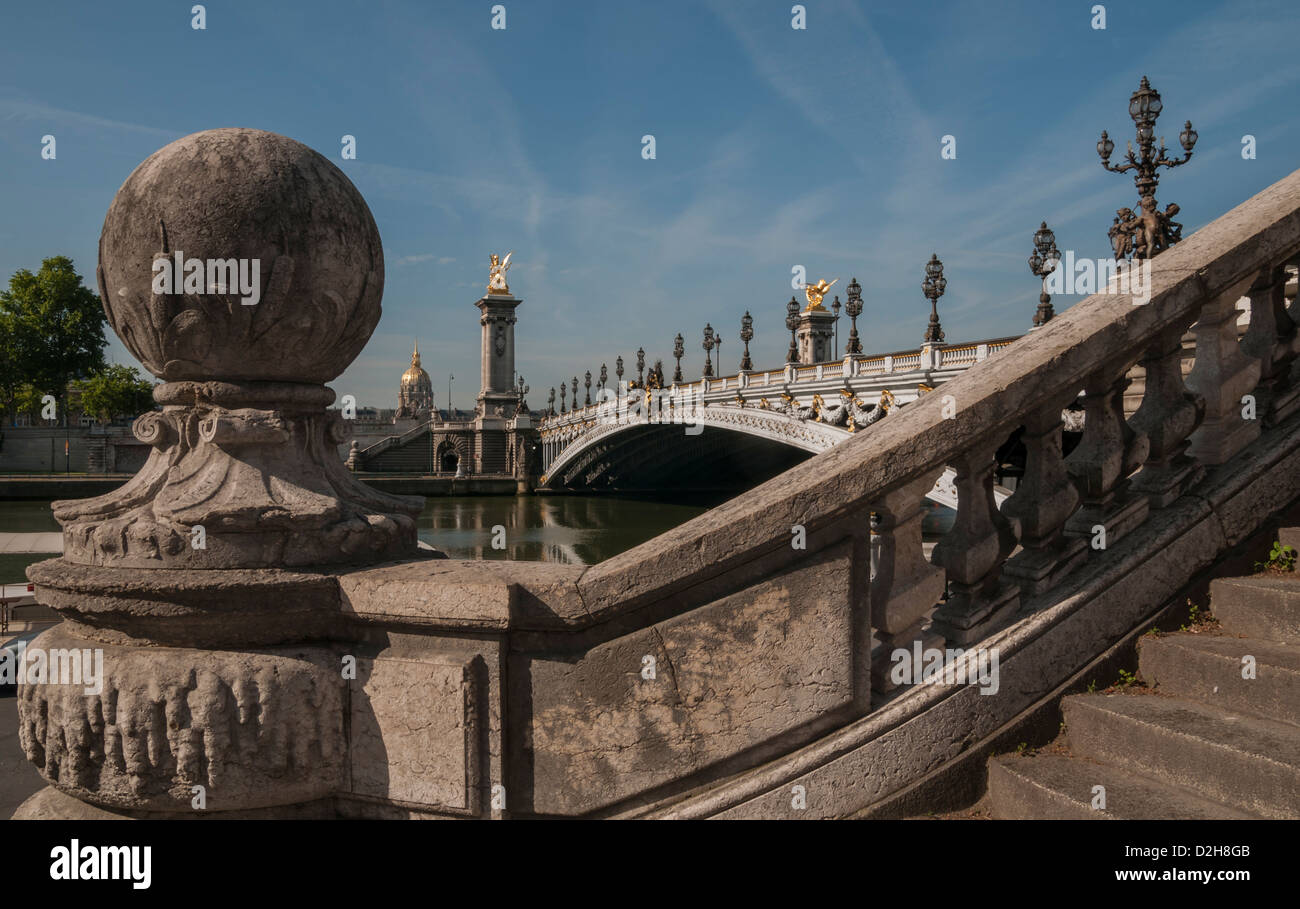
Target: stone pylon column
x=497, y=387
x=815, y=335
x=199, y=584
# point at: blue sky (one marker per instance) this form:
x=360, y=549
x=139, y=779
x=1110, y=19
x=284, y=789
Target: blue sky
x=775, y=147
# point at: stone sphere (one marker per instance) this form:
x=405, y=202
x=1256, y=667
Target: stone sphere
x=303, y=296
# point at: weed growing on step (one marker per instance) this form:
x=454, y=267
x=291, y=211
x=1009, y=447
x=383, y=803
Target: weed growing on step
x=1198, y=619
x=1280, y=559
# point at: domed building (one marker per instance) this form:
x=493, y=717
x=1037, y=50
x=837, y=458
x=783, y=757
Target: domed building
x=415, y=396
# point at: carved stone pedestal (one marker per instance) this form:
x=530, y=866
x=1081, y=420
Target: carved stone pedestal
x=216, y=687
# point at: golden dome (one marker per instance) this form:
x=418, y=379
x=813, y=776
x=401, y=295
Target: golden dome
x=413, y=375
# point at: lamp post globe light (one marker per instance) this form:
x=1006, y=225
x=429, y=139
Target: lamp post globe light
x=640, y=367
x=679, y=351
x=853, y=306
x=1143, y=234
x=792, y=323
x=708, y=348
x=1042, y=262
x=746, y=335
x=933, y=287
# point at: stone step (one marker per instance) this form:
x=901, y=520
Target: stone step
x=1261, y=606
x=1243, y=761
x=1208, y=668
x=1060, y=787
x=1290, y=536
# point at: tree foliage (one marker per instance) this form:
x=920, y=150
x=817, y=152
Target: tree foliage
x=115, y=391
x=51, y=331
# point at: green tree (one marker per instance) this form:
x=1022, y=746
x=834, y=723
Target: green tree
x=115, y=391
x=55, y=327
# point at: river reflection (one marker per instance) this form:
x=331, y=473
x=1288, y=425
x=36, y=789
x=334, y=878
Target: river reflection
x=573, y=529
x=579, y=530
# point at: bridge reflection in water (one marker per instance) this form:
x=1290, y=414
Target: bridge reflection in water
x=574, y=529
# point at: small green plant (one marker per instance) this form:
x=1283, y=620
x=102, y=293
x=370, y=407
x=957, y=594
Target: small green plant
x=1092, y=687
x=1280, y=558
x=1126, y=679
x=1022, y=747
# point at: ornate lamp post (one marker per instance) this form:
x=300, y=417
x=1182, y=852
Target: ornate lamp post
x=604, y=379
x=1042, y=262
x=746, y=335
x=618, y=371
x=933, y=287
x=792, y=323
x=550, y=402
x=522, y=406
x=717, y=339
x=587, y=401
x=563, y=389
x=854, y=308
x=1145, y=234
x=575, y=394
x=640, y=367
x=835, y=308
x=708, y=347
x=679, y=351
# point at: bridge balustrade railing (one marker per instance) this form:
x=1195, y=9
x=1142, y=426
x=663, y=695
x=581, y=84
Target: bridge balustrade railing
x=1066, y=510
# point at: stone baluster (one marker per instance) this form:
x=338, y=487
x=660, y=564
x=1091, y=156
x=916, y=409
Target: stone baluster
x=1109, y=452
x=1167, y=416
x=1042, y=503
x=1222, y=374
x=980, y=601
x=1272, y=339
x=904, y=586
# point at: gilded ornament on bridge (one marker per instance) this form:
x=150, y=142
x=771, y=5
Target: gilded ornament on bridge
x=497, y=274
x=815, y=292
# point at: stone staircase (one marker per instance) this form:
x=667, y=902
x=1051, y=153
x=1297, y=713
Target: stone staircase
x=1199, y=742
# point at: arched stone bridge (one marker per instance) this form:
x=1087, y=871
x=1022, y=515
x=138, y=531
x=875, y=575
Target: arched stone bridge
x=736, y=430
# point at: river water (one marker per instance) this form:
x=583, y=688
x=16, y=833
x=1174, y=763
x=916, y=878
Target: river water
x=573, y=529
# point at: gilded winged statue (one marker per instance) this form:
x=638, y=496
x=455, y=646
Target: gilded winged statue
x=497, y=274
x=815, y=292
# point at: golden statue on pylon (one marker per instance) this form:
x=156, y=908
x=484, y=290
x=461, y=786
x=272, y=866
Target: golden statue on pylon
x=497, y=274
x=815, y=292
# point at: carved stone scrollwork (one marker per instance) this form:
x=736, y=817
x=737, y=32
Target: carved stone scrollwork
x=1042, y=502
x=980, y=601
x=904, y=585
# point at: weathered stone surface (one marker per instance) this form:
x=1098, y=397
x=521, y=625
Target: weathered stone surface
x=253, y=195
x=253, y=728
x=231, y=608
x=730, y=676
x=244, y=470
x=466, y=594
x=413, y=737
